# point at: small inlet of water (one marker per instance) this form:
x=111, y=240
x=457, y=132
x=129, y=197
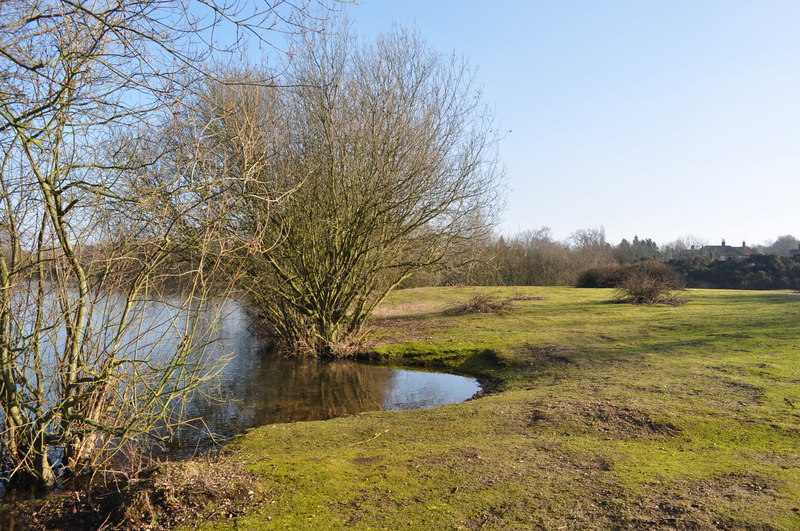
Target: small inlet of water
x=258, y=388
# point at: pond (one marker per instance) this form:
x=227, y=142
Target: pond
x=258, y=388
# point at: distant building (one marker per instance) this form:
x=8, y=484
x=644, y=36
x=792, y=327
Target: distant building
x=724, y=252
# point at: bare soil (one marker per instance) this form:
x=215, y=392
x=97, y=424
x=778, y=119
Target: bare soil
x=161, y=498
x=603, y=416
x=409, y=308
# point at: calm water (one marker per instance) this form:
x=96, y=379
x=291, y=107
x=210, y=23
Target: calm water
x=258, y=388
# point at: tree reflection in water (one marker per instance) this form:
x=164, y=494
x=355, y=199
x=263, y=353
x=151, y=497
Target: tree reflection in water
x=259, y=388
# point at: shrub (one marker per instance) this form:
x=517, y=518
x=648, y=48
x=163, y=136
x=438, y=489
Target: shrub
x=649, y=282
x=608, y=276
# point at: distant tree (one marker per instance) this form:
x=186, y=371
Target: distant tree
x=591, y=248
x=623, y=252
x=781, y=246
x=682, y=246
x=644, y=249
x=636, y=250
x=533, y=258
x=548, y=262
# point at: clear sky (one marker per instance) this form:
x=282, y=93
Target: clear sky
x=655, y=118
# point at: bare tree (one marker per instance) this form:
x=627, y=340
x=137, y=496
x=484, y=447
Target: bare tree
x=783, y=245
x=683, y=246
x=390, y=153
x=591, y=248
x=534, y=258
x=86, y=231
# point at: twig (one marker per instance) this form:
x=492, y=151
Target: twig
x=104, y=522
x=368, y=440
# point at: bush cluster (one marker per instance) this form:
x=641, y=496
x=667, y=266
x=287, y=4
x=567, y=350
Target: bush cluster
x=612, y=276
x=645, y=282
x=606, y=276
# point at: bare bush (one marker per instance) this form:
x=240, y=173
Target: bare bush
x=649, y=282
x=481, y=303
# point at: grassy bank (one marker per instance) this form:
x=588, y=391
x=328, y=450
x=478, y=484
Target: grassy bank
x=600, y=415
x=603, y=415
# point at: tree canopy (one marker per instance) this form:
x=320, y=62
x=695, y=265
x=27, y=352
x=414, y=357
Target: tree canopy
x=390, y=158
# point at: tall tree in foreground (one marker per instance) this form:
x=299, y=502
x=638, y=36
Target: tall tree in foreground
x=84, y=234
x=392, y=160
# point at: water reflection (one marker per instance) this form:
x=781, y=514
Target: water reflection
x=259, y=388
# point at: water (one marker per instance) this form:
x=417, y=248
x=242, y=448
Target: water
x=256, y=387
x=259, y=388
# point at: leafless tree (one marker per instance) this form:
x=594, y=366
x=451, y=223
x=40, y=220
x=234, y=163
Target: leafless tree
x=534, y=258
x=392, y=160
x=682, y=247
x=783, y=245
x=591, y=248
x=86, y=231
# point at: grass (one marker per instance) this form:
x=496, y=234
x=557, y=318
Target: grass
x=601, y=416
x=605, y=415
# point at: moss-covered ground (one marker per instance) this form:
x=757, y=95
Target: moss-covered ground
x=598, y=415
x=601, y=415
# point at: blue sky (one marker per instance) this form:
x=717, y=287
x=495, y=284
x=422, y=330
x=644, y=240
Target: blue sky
x=660, y=119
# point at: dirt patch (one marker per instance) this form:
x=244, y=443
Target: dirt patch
x=746, y=394
x=604, y=417
x=399, y=329
x=538, y=354
x=160, y=498
x=688, y=504
x=367, y=460
x=408, y=308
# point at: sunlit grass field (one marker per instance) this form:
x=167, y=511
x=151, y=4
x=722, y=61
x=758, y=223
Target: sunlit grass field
x=599, y=415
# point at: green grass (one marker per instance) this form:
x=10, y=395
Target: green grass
x=603, y=415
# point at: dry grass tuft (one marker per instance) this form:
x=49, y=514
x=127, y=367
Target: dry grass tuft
x=481, y=303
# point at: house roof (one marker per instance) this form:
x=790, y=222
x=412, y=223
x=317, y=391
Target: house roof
x=727, y=250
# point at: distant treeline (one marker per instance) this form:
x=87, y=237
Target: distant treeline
x=534, y=258
x=753, y=272
x=531, y=258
